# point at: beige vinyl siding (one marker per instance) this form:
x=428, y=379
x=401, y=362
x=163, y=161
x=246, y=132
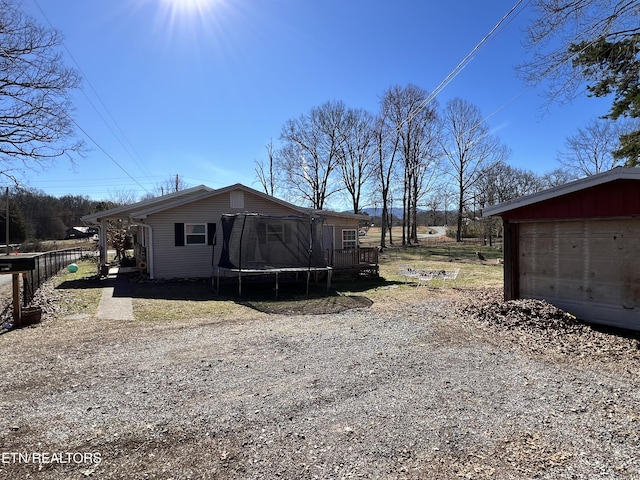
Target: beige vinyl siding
x=196, y=260
x=339, y=232
x=339, y=224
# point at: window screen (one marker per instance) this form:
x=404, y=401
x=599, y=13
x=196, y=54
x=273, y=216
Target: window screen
x=195, y=234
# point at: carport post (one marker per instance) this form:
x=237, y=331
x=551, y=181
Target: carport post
x=102, y=242
x=17, y=310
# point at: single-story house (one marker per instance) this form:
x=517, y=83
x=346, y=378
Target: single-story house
x=80, y=232
x=179, y=235
x=577, y=246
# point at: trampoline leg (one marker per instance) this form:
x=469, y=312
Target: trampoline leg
x=276, y=285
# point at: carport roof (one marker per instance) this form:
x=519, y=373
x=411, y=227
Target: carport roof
x=125, y=211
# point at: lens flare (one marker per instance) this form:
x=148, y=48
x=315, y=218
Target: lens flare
x=189, y=7
x=192, y=17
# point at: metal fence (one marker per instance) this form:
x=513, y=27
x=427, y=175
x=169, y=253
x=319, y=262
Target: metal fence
x=47, y=265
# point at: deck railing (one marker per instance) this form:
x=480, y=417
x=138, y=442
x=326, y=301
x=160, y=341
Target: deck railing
x=351, y=257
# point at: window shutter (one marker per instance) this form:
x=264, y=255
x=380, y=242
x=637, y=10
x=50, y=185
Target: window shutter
x=179, y=229
x=211, y=233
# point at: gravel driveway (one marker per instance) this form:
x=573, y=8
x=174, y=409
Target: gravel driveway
x=404, y=389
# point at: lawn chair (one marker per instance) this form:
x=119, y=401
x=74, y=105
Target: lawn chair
x=450, y=275
x=408, y=272
x=425, y=277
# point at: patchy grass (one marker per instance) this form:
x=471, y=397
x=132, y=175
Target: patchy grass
x=154, y=309
x=447, y=256
x=196, y=300
x=181, y=300
x=185, y=300
x=86, y=293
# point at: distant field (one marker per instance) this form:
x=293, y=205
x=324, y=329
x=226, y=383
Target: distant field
x=49, y=245
x=439, y=253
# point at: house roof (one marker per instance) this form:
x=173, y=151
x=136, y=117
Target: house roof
x=140, y=210
x=618, y=173
x=84, y=229
x=125, y=210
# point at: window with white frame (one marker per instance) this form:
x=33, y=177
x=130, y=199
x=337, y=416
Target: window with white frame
x=275, y=233
x=195, y=233
x=349, y=238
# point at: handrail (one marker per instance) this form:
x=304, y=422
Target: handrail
x=351, y=257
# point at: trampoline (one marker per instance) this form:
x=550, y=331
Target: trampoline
x=257, y=245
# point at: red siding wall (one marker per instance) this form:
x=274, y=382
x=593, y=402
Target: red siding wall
x=620, y=198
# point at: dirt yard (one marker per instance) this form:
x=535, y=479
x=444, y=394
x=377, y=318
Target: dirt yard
x=415, y=383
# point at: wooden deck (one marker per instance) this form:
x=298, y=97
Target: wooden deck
x=354, y=262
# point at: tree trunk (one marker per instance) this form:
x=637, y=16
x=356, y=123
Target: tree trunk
x=414, y=213
x=404, y=210
x=460, y=205
x=383, y=223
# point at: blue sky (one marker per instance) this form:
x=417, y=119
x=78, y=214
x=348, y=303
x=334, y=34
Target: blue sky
x=198, y=88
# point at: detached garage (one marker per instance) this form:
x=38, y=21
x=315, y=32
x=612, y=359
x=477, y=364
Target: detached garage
x=577, y=246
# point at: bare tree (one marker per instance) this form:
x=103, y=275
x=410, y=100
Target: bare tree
x=173, y=183
x=557, y=177
x=426, y=168
x=267, y=174
x=469, y=149
x=310, y=153
x=73, y=207
x=433, y=202
x=448, y=195
x=413, y=122
x=386, y=152
x=501, y=182
x=590, y=150
x=356, y=154
x=119, y=197
x=35, y=106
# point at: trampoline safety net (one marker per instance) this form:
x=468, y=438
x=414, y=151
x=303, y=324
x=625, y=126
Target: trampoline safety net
x=263, y=242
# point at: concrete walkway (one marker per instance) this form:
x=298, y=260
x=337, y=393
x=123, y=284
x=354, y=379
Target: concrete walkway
x=115, y=303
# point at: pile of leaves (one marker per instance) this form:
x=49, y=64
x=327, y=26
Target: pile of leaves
x=541, y=328
x=525, y=314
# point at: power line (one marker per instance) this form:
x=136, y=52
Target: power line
x=138, y=161
x=463, y=63
x=63, y=111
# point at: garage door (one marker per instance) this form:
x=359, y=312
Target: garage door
x=589, y=267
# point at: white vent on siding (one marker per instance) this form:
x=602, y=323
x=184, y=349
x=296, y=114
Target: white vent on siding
x=237, y=199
